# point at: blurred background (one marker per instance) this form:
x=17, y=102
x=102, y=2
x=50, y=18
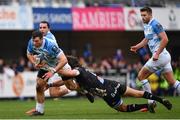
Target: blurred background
x=98, y=32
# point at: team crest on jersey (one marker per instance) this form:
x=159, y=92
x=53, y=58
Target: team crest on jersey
x=55, y=49
x=159, y=26
x=148, y=30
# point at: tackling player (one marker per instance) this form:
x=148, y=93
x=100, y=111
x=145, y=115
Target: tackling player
x=110, y=91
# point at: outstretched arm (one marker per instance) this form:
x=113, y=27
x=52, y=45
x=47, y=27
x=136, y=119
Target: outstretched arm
x=69, y=73
x=139, y=45
x=70, y=84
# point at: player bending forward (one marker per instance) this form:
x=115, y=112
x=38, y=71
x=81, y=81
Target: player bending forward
x=110, y=91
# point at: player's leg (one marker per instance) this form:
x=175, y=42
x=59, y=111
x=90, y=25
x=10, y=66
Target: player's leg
x=117, y=103
x=131, y=107
x=147, y=95
x=170, y=79
x=168, y=72
x=58, y=91
x=168, y=75
x=144, y=73
x=40, y=98
x=72, y=85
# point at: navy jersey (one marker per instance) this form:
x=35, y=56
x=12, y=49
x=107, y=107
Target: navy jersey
x=109, y=90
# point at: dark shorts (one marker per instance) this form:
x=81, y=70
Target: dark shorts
x=114, y=92
x=41, y=72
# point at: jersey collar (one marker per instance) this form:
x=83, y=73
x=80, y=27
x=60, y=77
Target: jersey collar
x=42, y=46
x=150, y=21
x=48, y=32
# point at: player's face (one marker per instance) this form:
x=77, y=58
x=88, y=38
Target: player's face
x=146, y=17
x=37, y=42
x=43, y=28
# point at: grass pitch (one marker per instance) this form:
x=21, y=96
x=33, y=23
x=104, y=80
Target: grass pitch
x=81, y=108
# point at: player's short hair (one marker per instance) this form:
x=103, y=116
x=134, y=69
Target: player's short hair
x=37, y=33
x=46, y=22
x=73, y=61
x=147, y=9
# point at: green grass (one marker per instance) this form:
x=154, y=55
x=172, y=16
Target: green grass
x=80, y=108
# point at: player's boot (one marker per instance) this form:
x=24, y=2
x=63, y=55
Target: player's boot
x=29, y=112
x=36, y=113
x=151, y=107
x=33, y=112
x=167, y=104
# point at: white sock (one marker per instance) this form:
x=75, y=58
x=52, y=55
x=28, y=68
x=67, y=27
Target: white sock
x=40, y=107
x=177, y=86
x=146, y=87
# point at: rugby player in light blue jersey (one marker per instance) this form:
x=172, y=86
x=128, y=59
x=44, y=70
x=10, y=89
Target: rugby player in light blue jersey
x=50, y=59
x=44, y=27
x=156, y=39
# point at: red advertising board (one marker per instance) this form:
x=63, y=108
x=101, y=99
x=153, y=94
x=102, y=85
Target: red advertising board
x=98, y=18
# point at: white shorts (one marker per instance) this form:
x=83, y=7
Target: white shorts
x=56, y=76
x=163, y=63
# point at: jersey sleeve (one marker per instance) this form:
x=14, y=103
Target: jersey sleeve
x=80, y=69
x=30, y=47
x=158, y=28
x=55, y=50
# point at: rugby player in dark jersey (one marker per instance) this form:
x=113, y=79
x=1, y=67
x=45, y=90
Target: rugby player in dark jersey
x=110, y=91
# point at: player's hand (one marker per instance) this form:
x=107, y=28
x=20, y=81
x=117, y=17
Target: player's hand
x=155, y=57
x=48, y=75
x=134, y=48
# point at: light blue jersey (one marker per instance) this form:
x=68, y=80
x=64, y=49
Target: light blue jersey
x=49, y=50
x=151, y=31
x=51, y=37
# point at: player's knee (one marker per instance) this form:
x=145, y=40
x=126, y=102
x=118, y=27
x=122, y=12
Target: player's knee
x=54, y=94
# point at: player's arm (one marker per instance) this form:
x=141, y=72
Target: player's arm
x=139, y=45
x=30, y=57
x=164, y=41
x=67, y=77
x=62, y=60
x=72, y=85
x=69, y=73
x=163, y=37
